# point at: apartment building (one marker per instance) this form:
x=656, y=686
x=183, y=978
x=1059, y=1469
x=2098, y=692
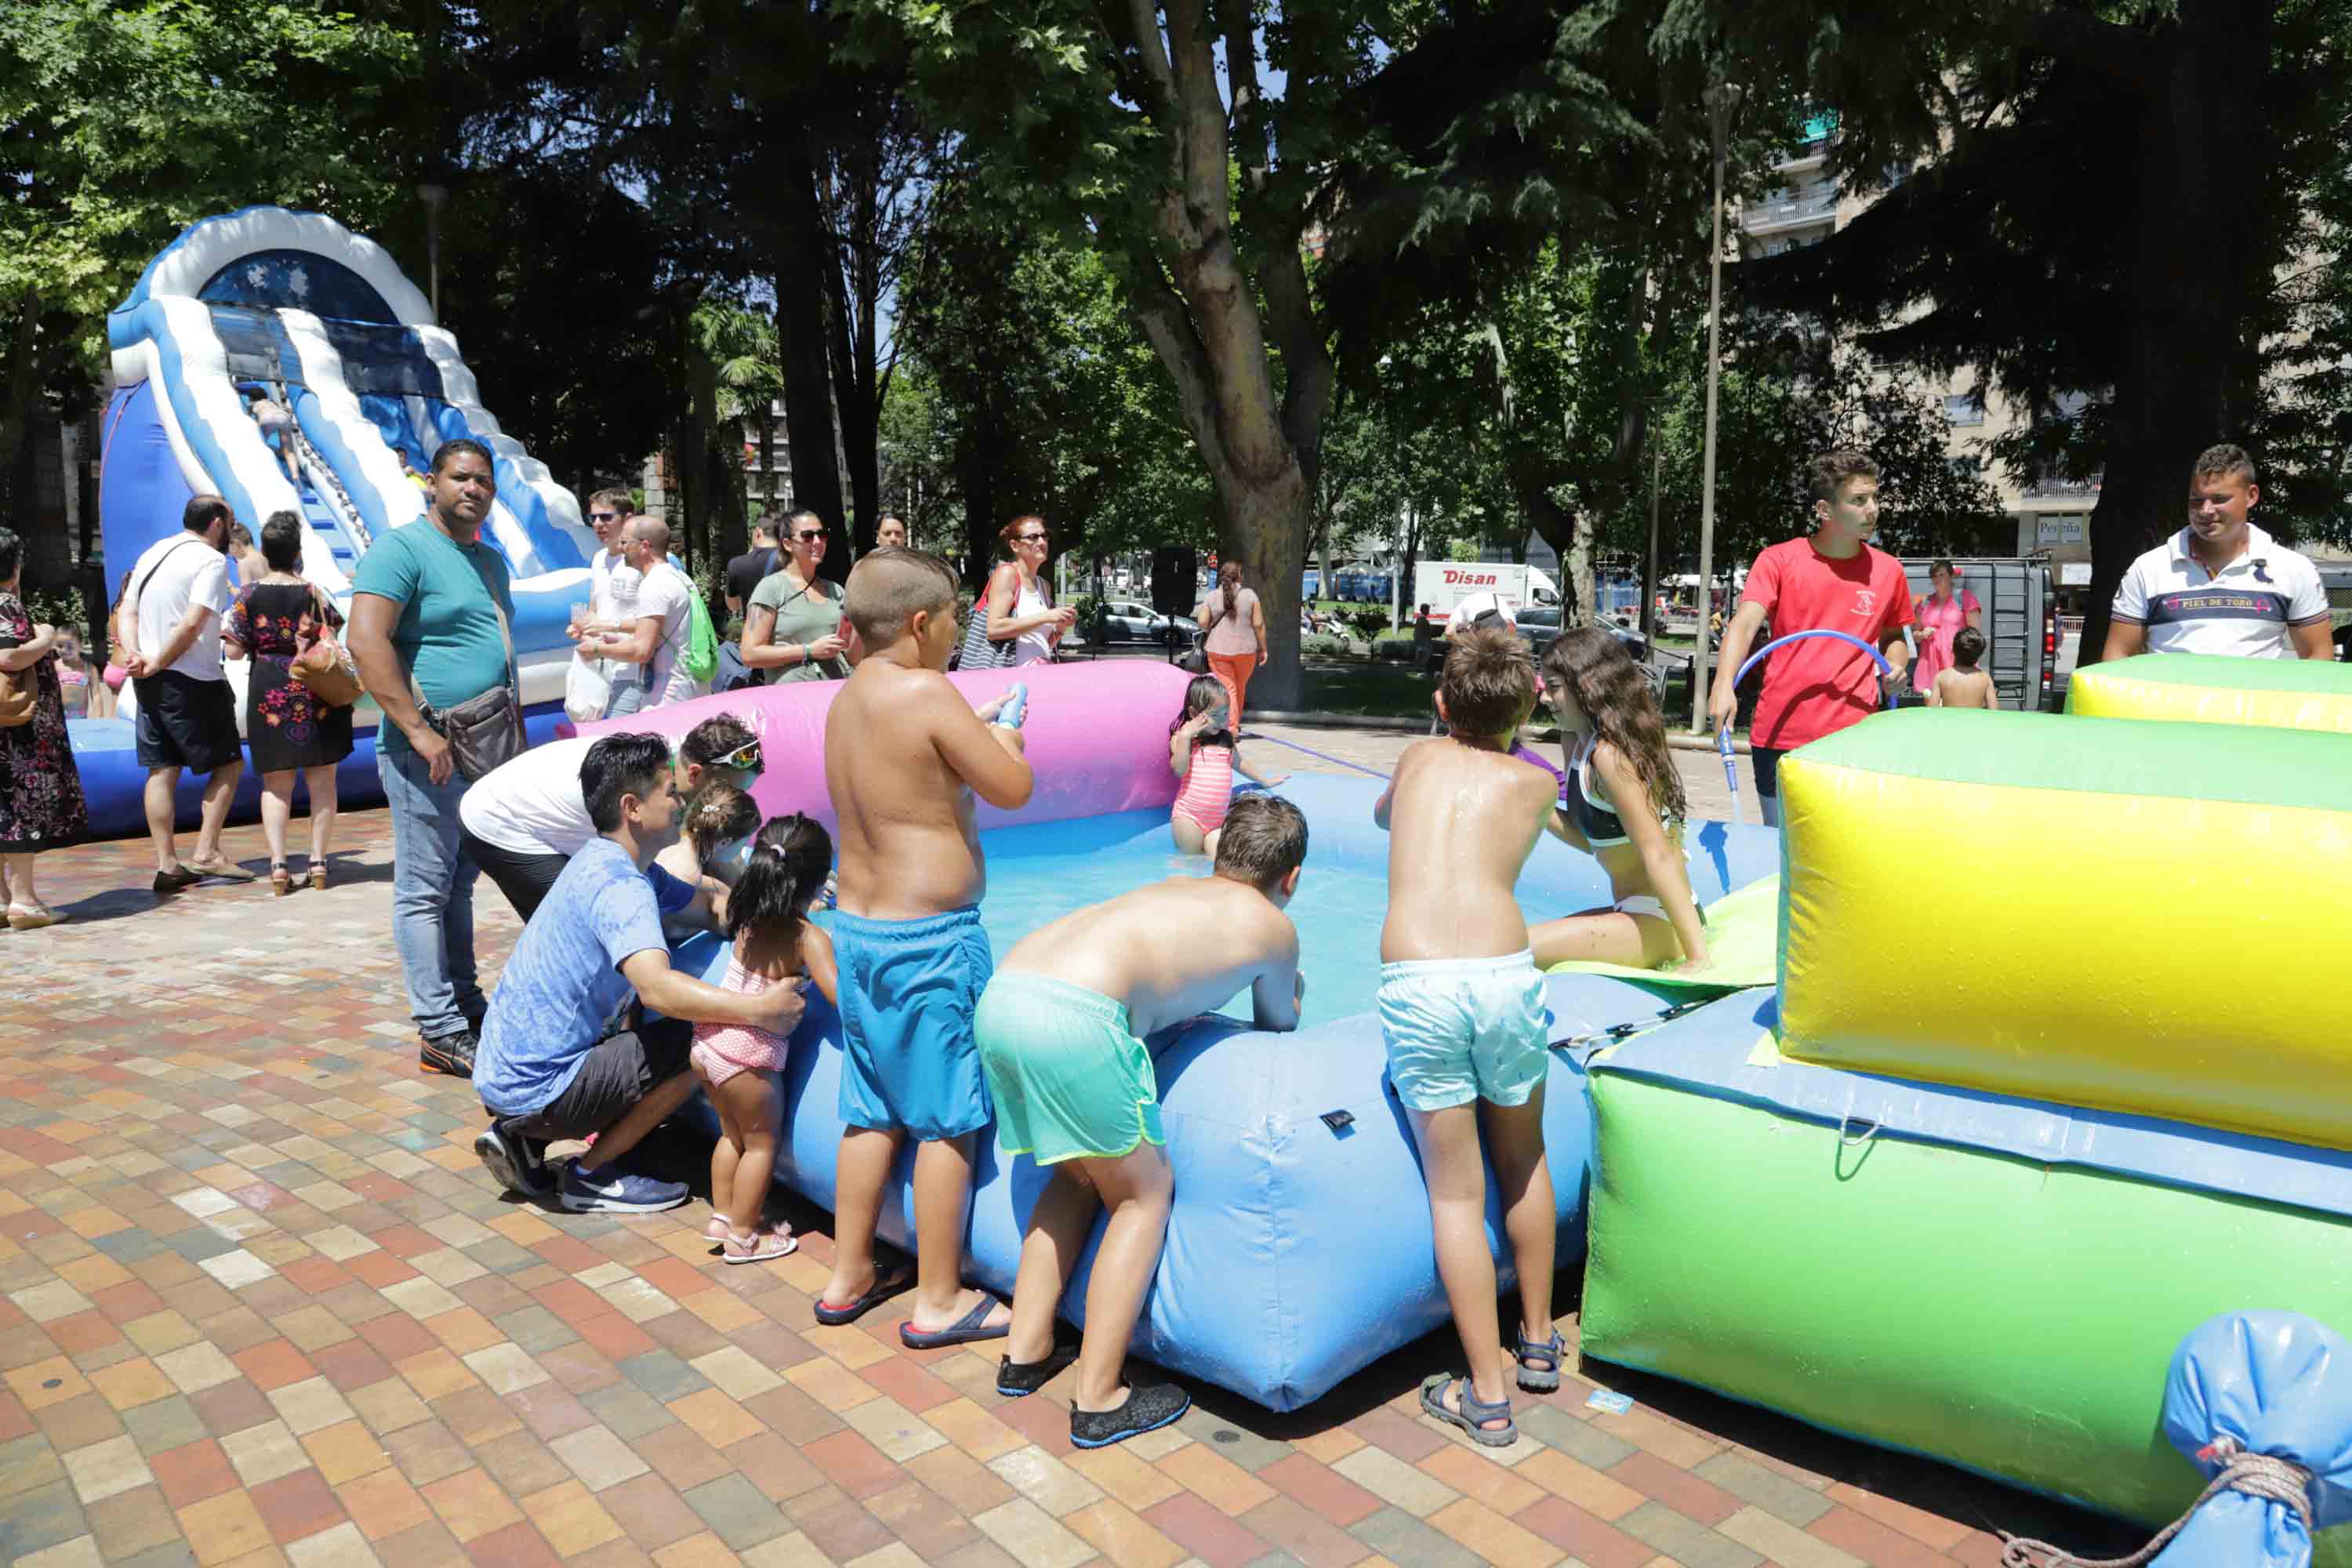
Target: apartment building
x=2052, y=516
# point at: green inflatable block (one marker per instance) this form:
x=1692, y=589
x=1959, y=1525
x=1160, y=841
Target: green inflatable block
x=2011, y=1316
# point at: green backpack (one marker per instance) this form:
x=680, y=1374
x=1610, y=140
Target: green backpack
x=699, y=658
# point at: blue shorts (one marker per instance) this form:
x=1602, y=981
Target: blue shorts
x=1459, y=1029
x=907, y=992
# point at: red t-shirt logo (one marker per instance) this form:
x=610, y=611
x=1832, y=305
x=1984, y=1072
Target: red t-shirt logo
x=1865, y=603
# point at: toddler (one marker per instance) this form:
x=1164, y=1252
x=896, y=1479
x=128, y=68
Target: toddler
x=776, y=943
x=1201, y=751
x=1964, y=685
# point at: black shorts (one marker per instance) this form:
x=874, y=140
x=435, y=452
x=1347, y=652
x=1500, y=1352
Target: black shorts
x=523, y=879
x=185, y=722
x=621, y=1069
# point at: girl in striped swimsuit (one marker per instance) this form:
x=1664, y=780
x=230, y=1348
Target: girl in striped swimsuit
x=775, y=945
x=1204, y=753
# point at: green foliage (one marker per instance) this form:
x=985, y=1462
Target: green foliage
x=61, y=610
x=122, y=123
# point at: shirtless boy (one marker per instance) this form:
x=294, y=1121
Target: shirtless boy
x=1462, y=1013
x=1061, y=1033
x=1962, y=684
x=903, y=757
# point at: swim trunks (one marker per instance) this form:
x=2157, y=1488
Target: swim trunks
x=907, y=991
x=1459, y=1029
x=1069, y=1079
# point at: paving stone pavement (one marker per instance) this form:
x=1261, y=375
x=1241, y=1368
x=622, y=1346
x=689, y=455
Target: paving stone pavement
x=260, y=1305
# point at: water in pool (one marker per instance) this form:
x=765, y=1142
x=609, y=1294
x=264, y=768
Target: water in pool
x=1039, y=873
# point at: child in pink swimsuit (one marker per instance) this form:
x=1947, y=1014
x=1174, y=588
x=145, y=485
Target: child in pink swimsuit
x=1204, y=753
x=783, y=878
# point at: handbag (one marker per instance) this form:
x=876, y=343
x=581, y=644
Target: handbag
x=323, y=669
x=17, y=696
x=980, y=651
x=483, y=731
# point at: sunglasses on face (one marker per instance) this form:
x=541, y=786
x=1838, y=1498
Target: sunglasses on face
x=603, y=517
x=811, y=535
x=1030, y=538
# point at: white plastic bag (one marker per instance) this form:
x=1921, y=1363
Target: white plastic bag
x=586, y=689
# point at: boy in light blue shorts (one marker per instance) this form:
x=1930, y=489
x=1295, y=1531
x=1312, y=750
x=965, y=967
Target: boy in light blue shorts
x=1461, y=1013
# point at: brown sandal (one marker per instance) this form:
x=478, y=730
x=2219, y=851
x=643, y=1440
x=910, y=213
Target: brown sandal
x=280, y=884
x=319, y=876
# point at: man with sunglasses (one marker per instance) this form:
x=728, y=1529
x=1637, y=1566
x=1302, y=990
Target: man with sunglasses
x=522, y=823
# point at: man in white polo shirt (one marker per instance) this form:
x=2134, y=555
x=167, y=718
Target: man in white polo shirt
x=2221, y=584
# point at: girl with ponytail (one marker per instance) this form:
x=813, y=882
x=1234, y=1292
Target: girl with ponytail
x=781, y=876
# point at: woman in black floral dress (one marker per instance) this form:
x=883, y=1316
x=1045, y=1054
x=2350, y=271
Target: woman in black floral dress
x=40, y=788
x=287, y=730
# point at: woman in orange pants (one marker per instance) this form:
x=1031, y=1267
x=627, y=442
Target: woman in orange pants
x=1236, y=642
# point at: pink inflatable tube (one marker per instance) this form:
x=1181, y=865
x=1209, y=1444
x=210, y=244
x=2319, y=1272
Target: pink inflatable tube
x=1096, y=735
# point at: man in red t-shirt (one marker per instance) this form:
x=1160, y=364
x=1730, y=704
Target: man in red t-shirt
x=1831, y=582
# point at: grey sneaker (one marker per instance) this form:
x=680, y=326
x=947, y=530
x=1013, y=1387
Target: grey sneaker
x=517, y=1162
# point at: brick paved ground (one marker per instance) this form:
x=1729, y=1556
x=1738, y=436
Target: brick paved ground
x=259, y=1305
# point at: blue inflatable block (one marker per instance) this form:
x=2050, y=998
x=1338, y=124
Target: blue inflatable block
x=2270, y=1383
x=1260, y=1290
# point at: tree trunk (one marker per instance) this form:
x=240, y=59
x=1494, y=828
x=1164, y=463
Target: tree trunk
x=801, y=338
x=2189, y=371
x=1567, y=532
x=25, y=376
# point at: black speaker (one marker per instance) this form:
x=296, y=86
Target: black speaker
x=1175, y=576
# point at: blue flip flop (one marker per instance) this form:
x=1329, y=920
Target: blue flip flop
x=888, y=1282
x=966, y=1330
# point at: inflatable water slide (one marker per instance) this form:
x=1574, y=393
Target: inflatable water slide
x=321, y=321
x=2055, y=1080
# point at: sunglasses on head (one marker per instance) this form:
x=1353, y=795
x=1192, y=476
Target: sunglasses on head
x=744, y=758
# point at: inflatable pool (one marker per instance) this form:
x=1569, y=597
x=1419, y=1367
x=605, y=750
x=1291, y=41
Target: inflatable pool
x=1299, y=1249
x=324, y=320
x=2208, y=688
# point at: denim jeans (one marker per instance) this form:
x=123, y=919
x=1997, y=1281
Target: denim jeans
x=628, y=690
x=1765, y=762
x=432, y=895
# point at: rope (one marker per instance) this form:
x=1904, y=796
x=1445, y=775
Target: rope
x=2273, y=1480
x=1278, y=740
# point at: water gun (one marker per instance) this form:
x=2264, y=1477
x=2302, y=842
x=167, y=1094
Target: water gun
x=1015, y=708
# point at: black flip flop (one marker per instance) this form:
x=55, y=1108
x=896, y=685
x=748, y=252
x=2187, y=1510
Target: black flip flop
x=888, y=1282
x=971, y=1327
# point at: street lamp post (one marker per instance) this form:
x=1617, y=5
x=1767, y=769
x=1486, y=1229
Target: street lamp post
x=1722, y=103
x=433, y=196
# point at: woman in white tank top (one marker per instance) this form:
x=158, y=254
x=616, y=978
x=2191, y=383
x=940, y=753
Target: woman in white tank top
x=1019, y=610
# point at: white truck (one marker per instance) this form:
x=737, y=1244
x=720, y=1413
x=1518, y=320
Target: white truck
x=1442, y=585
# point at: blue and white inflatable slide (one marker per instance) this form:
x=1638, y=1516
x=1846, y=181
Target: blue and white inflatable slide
x=324, y=321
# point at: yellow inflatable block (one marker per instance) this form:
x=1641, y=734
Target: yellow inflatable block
x=2141, y=917
x=2205, y=688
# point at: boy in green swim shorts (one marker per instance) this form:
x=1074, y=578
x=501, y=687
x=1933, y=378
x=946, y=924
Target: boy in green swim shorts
x=1061, y=1029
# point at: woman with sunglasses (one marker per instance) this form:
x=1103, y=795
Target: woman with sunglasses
x=791, y=625
x=1020, y=603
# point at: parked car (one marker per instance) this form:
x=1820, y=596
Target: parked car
x=1126, y=620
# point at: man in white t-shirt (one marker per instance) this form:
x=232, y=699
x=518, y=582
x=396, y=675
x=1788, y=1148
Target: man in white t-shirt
x=187, y=715
x=523, y=821
x=651, y=647
x=2221, y=586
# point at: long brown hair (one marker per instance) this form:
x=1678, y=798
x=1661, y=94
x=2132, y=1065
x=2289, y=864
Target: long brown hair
x=1616, y=698
x=1230, y=574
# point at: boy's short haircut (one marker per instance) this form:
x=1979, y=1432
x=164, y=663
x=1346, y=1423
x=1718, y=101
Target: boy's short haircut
x=1489, y=684
x=621, y=502
x=1264, y=840
x=887, y=586
x=1967, y=646
x=1833, y=469
x=620, y=765
x=2227, y=460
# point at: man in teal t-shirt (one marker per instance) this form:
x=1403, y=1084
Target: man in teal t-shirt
x=431, y=600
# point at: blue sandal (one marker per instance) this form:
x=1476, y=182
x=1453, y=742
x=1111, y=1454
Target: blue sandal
x=1474, y=1411
x=970, y=1329
x=1546, y=1378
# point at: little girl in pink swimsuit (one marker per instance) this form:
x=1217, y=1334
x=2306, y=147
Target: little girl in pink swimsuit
x=783, y=877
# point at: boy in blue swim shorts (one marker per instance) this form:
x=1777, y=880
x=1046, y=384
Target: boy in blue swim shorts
x=1462, y=1013
x=1060, y=1032
x=904, y=755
